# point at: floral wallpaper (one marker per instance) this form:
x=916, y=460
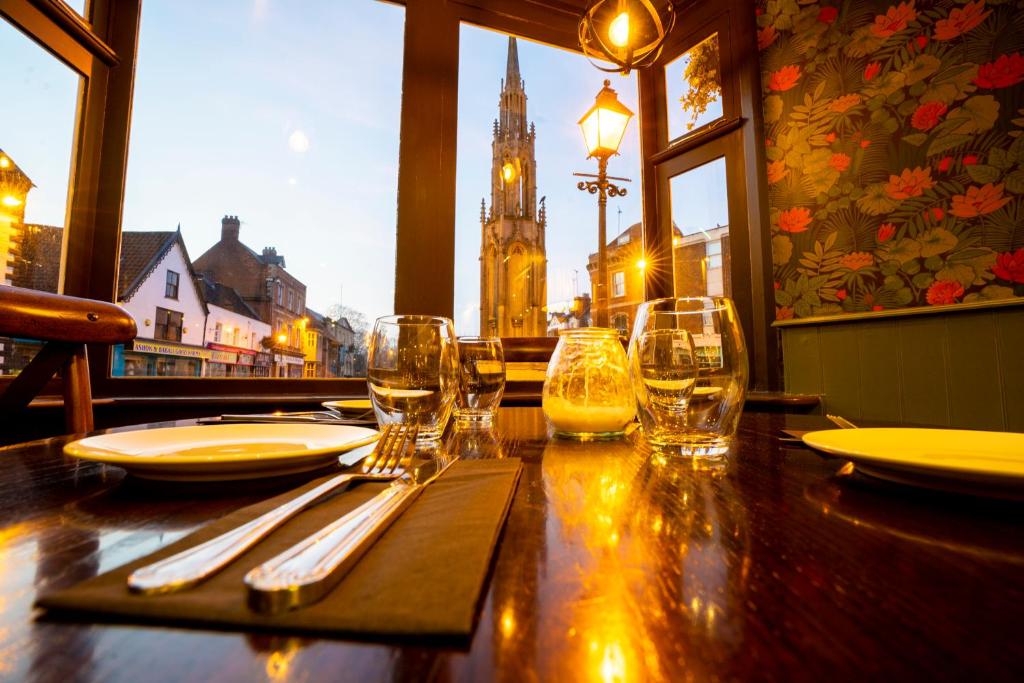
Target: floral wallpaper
x=895, y=152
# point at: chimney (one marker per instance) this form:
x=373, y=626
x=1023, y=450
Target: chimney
x=229, y=229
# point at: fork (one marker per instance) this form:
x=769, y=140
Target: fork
x=841, y=422
x=193, y=565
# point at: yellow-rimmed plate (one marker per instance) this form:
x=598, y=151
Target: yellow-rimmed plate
x=350, y=408
x=222, y=452
x=956, y=459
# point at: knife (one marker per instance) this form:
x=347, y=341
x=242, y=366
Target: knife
x=197, y=563
x=308, y=570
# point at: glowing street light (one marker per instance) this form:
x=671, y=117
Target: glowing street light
x=603, y=127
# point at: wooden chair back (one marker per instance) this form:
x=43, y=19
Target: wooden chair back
x=66, y=324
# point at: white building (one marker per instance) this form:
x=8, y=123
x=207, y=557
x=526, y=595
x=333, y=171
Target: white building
x=235, y=335
x=157, y=287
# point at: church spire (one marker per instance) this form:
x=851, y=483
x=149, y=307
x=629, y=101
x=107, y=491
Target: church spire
x=512, y=77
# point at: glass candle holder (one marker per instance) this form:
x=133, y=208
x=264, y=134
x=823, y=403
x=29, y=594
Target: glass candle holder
x=587, y=392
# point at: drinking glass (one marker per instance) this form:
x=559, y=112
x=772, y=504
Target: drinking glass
x=411, y=373
x=481, y=380
x=688, y=365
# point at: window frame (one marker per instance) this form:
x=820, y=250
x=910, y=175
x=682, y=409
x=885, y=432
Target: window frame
x=167, y=315
x=618, y=278
x=168, y=285
x=102, y=47
x=737, y=136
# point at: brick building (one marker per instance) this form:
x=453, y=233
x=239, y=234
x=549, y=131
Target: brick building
x=700, y=267
x=263, y=283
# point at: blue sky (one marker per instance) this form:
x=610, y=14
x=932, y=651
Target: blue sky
x=287, y=114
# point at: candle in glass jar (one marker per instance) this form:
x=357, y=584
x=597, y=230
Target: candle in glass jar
x=569, y=417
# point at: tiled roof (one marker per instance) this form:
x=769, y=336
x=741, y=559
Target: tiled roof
x=38, y=265
x=12, y=176
x=140, y=251
x=219, y=294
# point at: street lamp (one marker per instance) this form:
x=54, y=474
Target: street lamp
x=603, y=127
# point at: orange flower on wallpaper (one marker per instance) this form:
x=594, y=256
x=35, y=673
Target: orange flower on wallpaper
x=785, y=78
x=927, y=115
x=839, y=161
x=766, y=37
x=841, y=104
x=894, y=20
x=856, y=260
x=886, y=231
x=910, y=183
x=1006, y=71
x=776, y=171
x=1010, y=266
x=794, y=220
x=944, y=292
x=979, y=201
x=961, y=20
x=871, y=70
x=783, y=313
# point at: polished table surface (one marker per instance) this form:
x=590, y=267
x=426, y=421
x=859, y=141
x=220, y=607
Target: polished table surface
x=615, y=565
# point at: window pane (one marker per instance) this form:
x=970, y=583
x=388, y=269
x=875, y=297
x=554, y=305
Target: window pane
x=37, y=123
x=526, y=237
x=287, y=121
x=700, y=231
x=693, y=87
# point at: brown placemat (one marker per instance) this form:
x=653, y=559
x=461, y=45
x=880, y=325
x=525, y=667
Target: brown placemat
x=423, y=578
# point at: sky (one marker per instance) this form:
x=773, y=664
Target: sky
x=290, y=120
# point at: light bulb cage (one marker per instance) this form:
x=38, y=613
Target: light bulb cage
x=651, y=26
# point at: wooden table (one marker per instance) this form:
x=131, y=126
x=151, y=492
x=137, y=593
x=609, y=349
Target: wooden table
x=615, y=565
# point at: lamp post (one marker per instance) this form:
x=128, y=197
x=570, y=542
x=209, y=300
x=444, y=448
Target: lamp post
x=603, y=126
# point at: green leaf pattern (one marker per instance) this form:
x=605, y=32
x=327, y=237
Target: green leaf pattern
x=903, y=140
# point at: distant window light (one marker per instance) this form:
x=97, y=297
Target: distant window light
x=217, y=332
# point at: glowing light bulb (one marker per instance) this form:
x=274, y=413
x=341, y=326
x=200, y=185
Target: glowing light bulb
x=11, y=200
x=508, y=172
x=618, y=30
x=4, y=162
x=641, y=263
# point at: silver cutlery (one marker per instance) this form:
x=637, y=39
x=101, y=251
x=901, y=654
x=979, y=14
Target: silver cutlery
x=841, y=422
x=311, y=568
x=191, y=566
x=306, y=417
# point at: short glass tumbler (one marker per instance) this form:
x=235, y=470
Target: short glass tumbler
x=412, y=372
x=688, y=364
x=481, y=380
x=587, y=394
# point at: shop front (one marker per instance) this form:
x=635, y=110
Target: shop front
x=149, y=358
x=230, y=361
x=263, y=365
x=289, y=364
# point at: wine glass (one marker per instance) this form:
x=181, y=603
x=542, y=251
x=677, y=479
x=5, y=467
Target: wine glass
x=688, y=365
x=411, y=373
x=481, y=380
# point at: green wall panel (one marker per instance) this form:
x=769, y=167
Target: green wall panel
x=959, y=369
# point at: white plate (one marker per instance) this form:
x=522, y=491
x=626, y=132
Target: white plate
x=938, y=458
x=222, y=452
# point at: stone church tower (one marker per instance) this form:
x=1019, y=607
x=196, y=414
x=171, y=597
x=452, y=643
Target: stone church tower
x=513, y=262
